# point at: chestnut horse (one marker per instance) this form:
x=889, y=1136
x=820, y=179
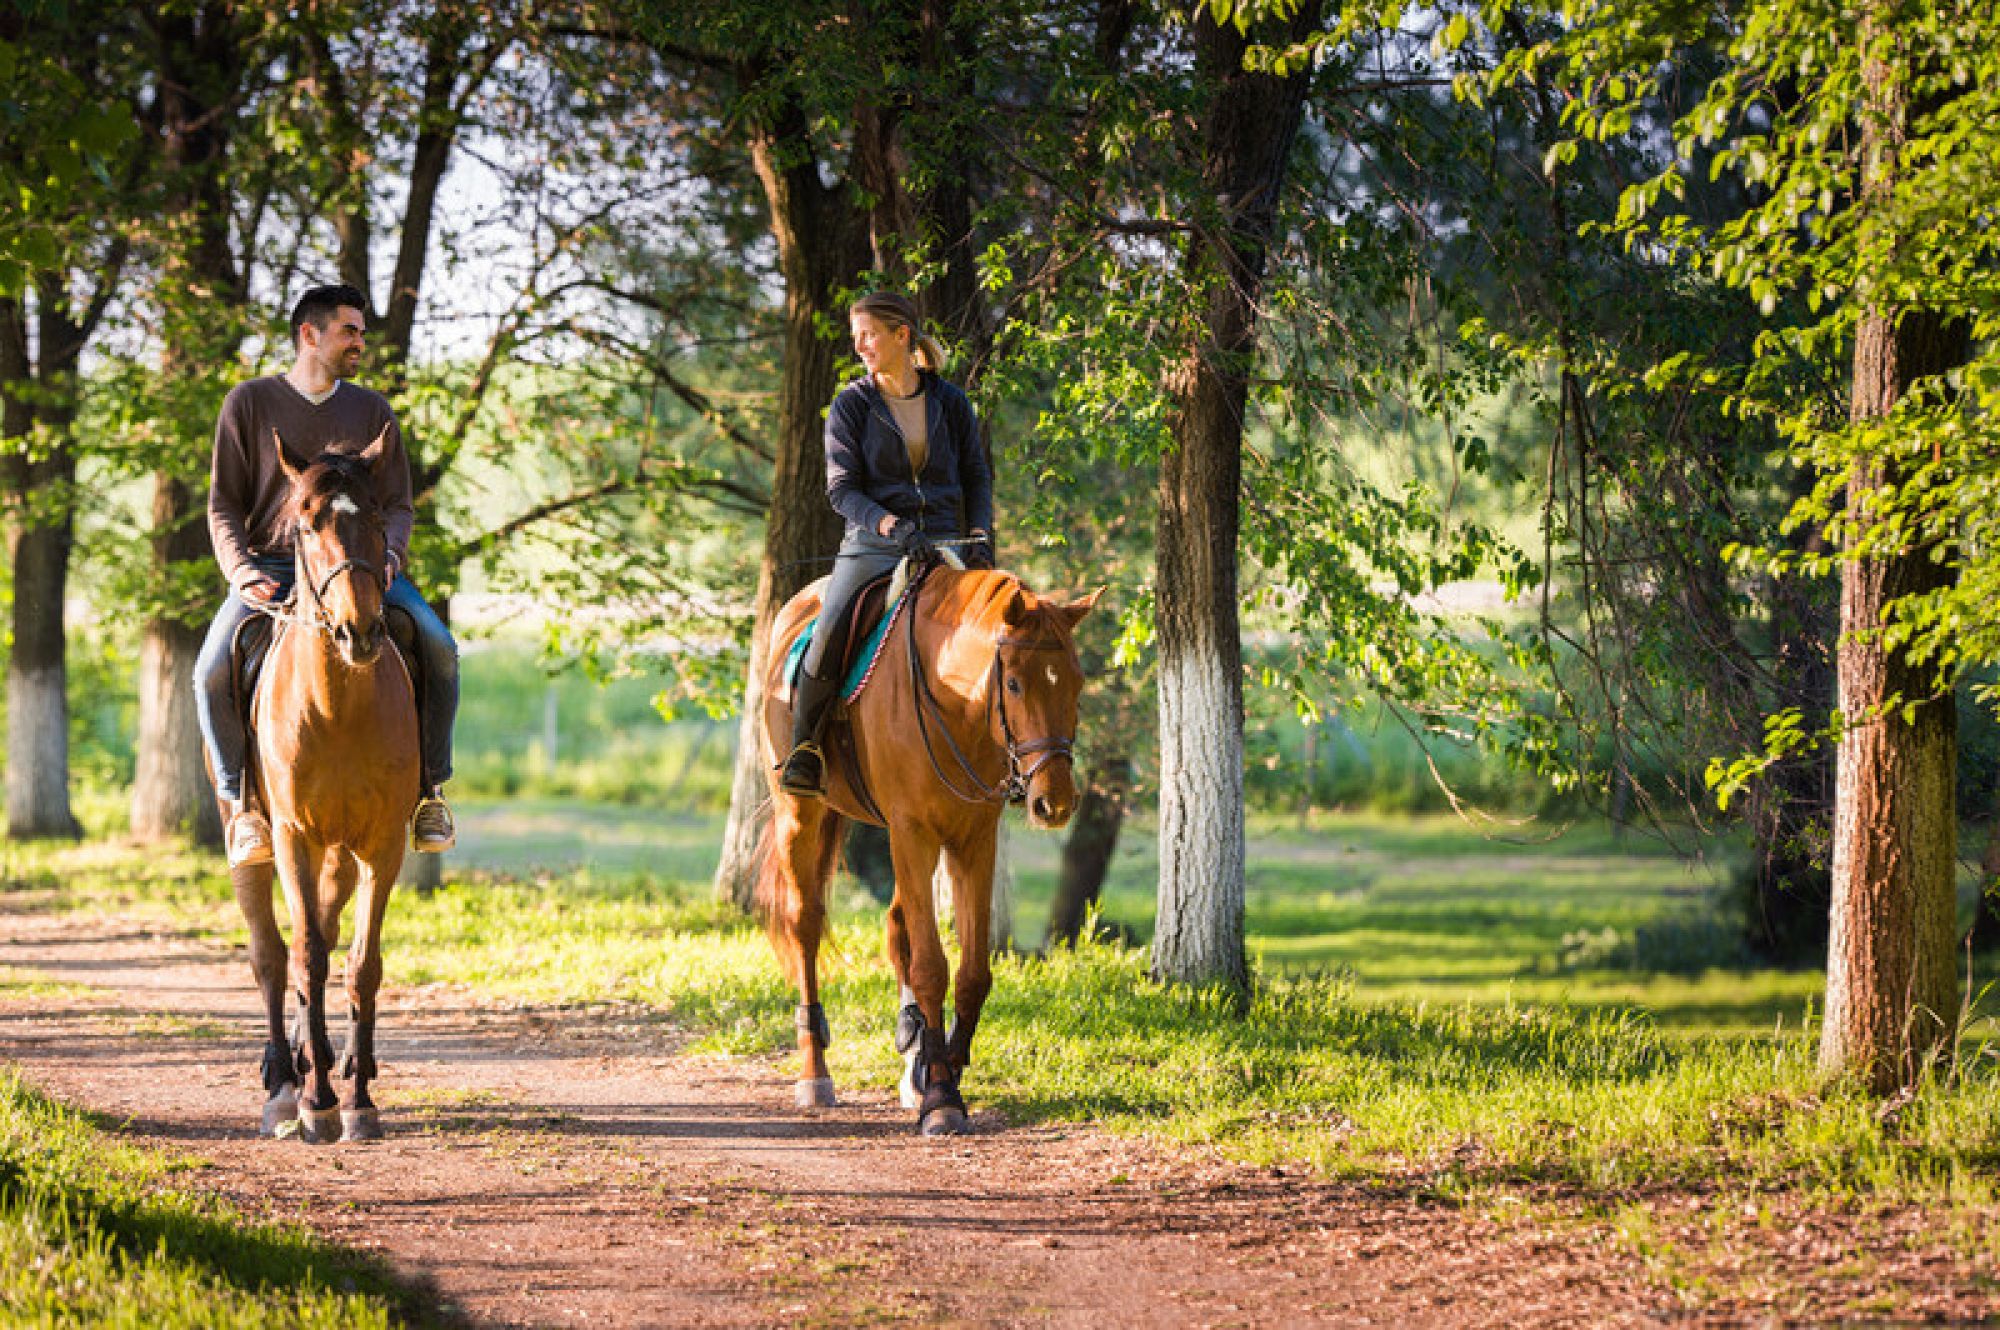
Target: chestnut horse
x=973, y=701
x=337, y=766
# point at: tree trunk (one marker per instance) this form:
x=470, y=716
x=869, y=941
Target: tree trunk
x=823, y=247
x=1087, y=851
x=202, y=57
x=39, y=540
x=1251, y=125
x=171, y=795
x=1890, y=1001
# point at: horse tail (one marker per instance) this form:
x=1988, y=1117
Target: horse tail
x=775, y=905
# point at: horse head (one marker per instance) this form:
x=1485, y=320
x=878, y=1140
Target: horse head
x=1038, y=679
x=342, y=547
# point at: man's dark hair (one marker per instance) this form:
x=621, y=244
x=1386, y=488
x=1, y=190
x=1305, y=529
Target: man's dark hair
x=319, y=305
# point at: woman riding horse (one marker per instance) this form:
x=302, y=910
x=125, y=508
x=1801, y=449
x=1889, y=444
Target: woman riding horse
x=906, y=467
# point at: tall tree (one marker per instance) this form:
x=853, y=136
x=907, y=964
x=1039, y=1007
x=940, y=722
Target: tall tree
x=1250, y=126
x=62, y=115
x=203, y=58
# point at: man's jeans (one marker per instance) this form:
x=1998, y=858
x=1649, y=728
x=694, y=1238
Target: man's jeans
x=222, y=723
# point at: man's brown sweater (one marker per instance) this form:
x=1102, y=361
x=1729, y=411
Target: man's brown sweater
x=248, y=495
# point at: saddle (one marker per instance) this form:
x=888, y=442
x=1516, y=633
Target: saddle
x=252, y=644
x=867, y=629
x=870, y=618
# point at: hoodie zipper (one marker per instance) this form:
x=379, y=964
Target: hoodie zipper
x=915, y=479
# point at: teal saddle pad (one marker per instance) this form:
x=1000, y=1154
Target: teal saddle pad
x=864, y=659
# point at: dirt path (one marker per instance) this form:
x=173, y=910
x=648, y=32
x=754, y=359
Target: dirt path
x=554, y=1168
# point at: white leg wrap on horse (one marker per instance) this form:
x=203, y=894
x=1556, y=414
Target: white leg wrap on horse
x=279, y=1109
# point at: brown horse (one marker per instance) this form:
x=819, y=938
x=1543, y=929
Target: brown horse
x=973, y=701
x=337, y=766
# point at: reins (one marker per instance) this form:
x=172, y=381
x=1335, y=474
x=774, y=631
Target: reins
x=1014, y=787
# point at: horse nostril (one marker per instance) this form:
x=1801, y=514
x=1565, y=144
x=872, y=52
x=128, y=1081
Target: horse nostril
x=1043, y=809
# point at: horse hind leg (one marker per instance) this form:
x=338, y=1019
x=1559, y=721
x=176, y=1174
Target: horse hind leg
x=805, y=841
x=252, y=884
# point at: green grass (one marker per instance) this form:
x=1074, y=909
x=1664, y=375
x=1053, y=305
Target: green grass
x=1414, y=1019
x=94, y=1232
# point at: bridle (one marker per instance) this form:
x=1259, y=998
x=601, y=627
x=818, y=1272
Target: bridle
x=316, y=617
x=1014, y=788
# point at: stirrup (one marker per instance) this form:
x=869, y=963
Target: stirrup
x=793, y=779
x=248, y=839
x=432, y=830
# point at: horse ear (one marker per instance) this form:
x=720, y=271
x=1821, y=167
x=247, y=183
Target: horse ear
x=292, y=473
x=373, y=452
x=1017, y=608
x=1073, y=612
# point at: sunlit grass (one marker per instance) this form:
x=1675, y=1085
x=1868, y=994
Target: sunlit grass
x=1427, y=1029
x=94, y=1232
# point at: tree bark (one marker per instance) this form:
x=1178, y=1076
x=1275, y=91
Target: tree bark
x=1087, y=851
x=202, y=57
x=823, y=247
x=40, y=542
x=1252, y=123
x=1890, y=1001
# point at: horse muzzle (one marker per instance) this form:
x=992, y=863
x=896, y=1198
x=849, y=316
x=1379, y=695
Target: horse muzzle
x=359, y=646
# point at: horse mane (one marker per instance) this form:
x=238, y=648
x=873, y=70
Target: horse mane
x=982, y=600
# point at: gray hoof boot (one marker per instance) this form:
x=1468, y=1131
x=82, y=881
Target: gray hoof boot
x=318, y=1126
x=815, y=1093
x=280, y=1109
x=360, y=1124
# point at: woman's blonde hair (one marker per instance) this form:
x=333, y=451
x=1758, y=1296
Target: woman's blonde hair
x=900, y=311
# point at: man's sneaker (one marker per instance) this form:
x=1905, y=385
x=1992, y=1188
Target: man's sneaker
x=249, y=839
x=804, y=773
x=431, y=830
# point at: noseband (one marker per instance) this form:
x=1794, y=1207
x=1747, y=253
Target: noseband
x=1014, y=788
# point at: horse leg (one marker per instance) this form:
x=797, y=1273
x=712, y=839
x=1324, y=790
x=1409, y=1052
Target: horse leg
x=971, y=864
x=252, y=883
x=299, y=864
x=359, y=1119
x=806, y=836
x=929, y=1076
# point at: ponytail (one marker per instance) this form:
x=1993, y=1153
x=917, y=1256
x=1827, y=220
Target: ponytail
x=900, y=312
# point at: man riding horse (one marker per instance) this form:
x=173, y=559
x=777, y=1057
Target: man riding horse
x=313, y=408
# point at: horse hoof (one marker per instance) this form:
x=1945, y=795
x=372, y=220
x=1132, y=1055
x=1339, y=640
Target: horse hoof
x=360, y=1124
x=281, y=1108
x=906, y=1089
x=944, y=1122
x=319, y=1125
x=815, y=1093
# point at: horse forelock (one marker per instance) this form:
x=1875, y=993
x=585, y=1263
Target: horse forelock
x=333, y=476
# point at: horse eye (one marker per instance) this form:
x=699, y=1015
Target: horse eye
x=1014, y=687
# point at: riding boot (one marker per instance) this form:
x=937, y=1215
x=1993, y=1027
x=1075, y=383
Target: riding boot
x=804, y=771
